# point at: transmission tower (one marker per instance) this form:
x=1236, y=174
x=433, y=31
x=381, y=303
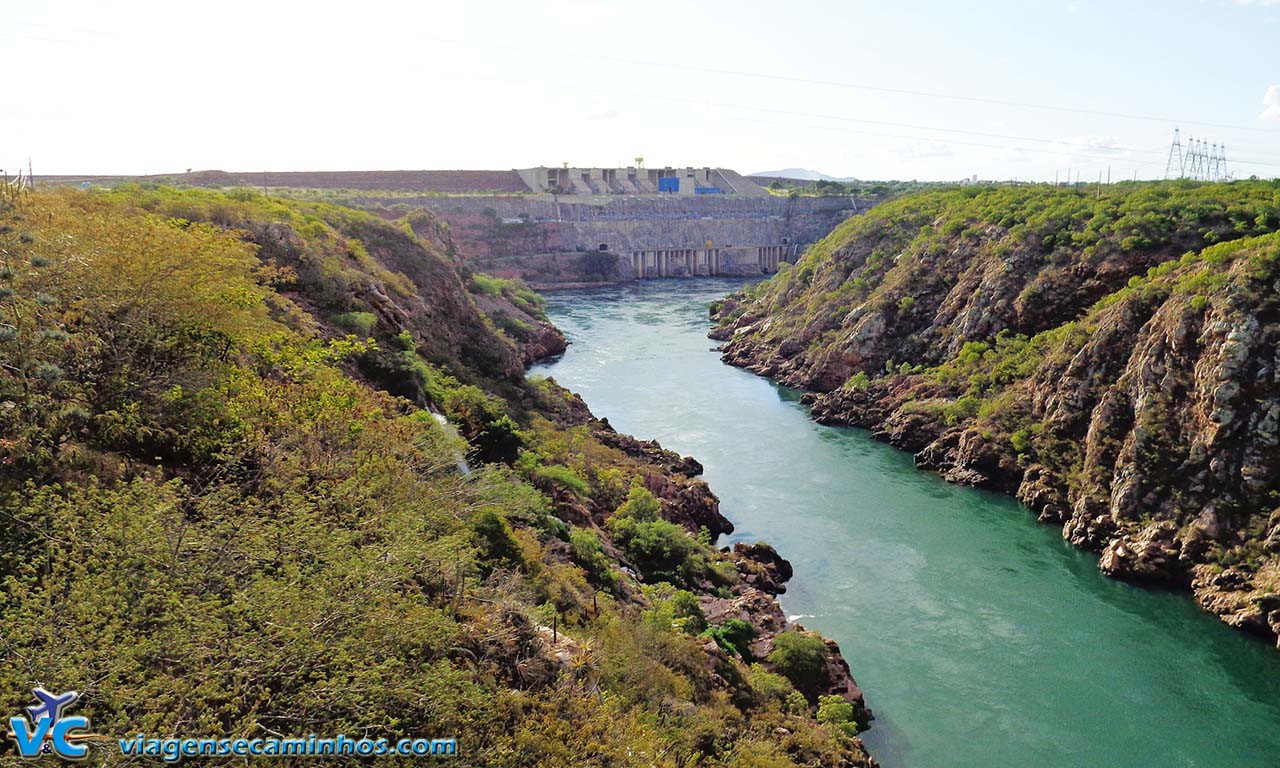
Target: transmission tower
x=1173, y=168
x=1220, y=163
x=1202, y=161
x=1195, y=160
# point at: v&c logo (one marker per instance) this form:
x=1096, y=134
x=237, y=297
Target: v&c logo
x=50, y=731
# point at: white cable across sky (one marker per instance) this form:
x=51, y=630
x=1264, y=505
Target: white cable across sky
x=858, y=86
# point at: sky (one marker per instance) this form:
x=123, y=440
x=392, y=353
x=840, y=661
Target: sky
x=874, y=90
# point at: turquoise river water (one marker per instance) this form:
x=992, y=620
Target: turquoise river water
x=979, y=637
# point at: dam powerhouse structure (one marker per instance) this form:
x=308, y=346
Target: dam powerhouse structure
x=569, y=226
x=560, y=226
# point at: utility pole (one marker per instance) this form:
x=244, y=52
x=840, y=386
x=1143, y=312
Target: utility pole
x=31, y=176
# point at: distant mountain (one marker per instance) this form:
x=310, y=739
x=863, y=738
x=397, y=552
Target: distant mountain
x=802, y=174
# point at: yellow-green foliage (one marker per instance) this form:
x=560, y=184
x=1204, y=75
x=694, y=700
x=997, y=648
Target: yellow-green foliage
x=512, y=289
x=660, y=549
x=874, y=257
x=210, y=526
x=801, y=657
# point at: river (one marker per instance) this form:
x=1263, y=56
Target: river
x=979, y=637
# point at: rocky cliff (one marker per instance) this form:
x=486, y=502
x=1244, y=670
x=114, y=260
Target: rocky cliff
x=1110, y=359
x=288, y=450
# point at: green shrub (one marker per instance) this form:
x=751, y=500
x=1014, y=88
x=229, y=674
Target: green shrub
x=510, y=324
x=836, y=712
x=498, y=441
x=554, y=527
x=480, y=419
x=963, y=408
x=662, y=550
x=734, y=635
x=1021, y=441
x=588, y=552
x=359, y=323
x=609, y=487
x=659, y=548
x=404, y=341
x=559, y=475
x=641, y=505
x=769, y=685
x=497, y=545
x=689, y=617
x=486, y=284
x=801, y=657
x=675, y=608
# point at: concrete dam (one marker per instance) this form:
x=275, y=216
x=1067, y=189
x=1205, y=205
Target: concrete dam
x=545, y=240
x=708, y=222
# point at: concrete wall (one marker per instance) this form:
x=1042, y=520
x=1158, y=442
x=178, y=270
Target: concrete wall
x=545, y=239
x=634, y=181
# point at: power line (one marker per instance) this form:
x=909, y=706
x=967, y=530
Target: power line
x=855, y=86
x=34, y=39
x=42, y=26
x=1074, y=147
x=847, y=131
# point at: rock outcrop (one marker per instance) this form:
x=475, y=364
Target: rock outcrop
x=762, y=572
x=1065, y=351
x=759, y=608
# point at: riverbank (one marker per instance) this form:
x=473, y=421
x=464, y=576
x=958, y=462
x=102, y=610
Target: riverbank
x=958, y=614
x=1108, y=360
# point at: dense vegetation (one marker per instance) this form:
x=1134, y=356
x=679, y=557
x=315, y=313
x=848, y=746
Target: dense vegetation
x=272, y=467
x=1108, y=357
x=833, y=188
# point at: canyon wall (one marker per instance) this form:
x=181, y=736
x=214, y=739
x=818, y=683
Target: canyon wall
x=1108, y=358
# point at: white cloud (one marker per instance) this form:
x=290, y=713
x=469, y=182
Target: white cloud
x=1271, y=102
x=604, y=114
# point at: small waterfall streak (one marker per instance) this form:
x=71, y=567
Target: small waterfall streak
x=461, y=461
